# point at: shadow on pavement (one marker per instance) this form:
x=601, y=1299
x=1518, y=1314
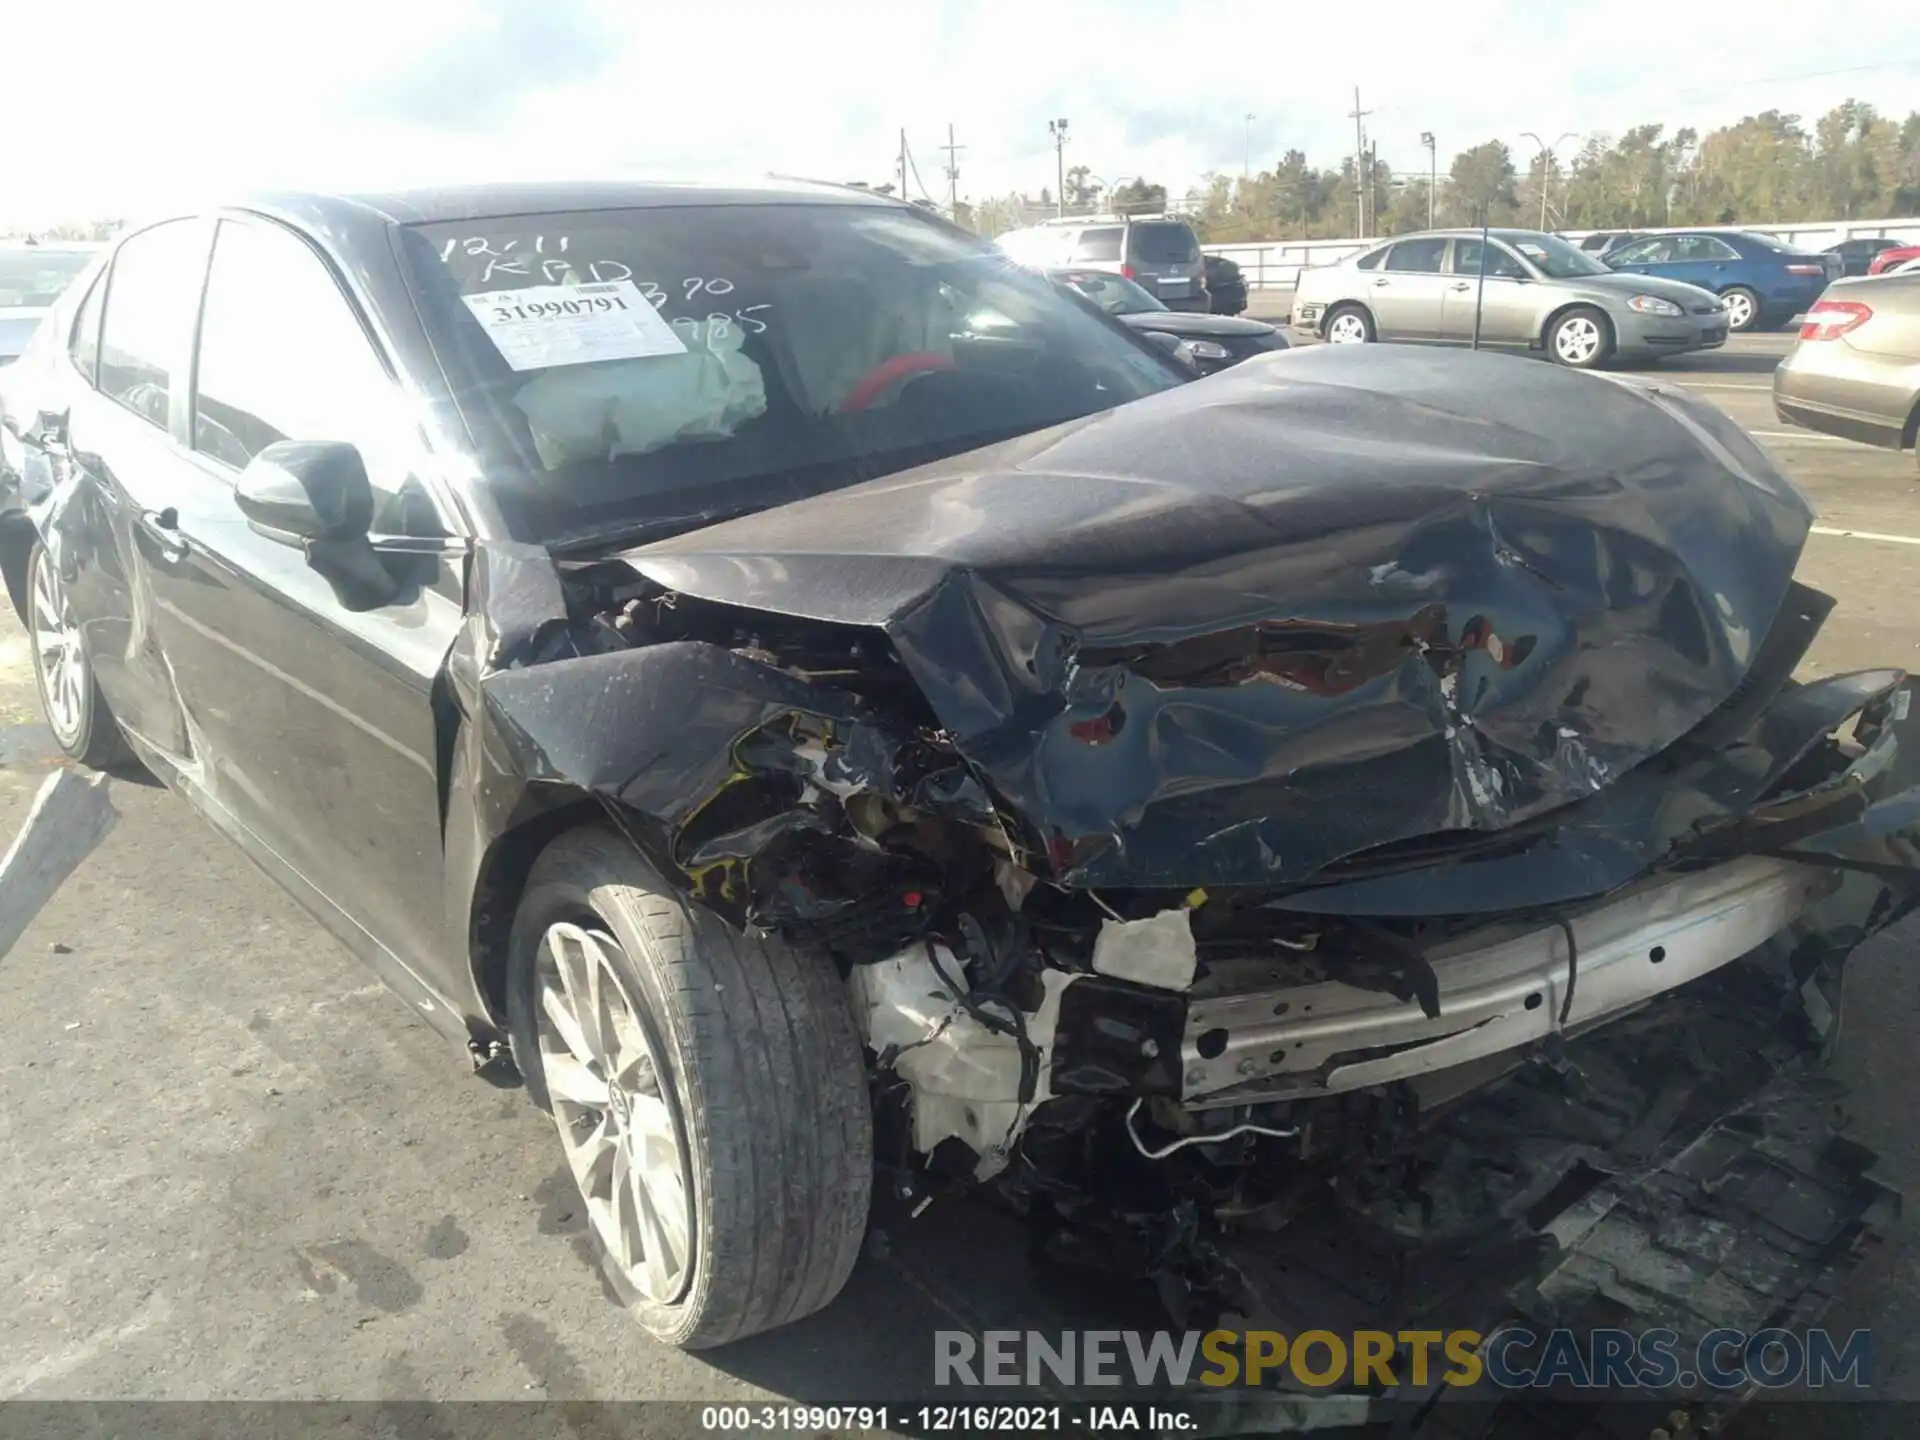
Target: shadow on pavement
x=1714, y=362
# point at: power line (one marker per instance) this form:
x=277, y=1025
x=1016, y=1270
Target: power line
x=1909, y=63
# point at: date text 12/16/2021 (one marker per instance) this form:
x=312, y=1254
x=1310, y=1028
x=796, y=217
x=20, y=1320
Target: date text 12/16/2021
x=947, y=1419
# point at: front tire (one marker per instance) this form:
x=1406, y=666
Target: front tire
x=1350, y=325
x=1743, y=309
x=70, y=697
x=709, y=1089
x=1581, y=339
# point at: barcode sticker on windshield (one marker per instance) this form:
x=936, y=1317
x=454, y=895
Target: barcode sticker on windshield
x=547, y=325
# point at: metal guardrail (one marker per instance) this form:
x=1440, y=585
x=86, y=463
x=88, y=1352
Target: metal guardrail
x=1276, y=264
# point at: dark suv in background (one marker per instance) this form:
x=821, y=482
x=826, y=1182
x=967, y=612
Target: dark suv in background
x=1226, y=286
x=1159, y=253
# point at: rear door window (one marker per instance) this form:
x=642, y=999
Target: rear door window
x=1164, y=243
x=1703, y=247
x=152, y=293
x=1500, y=261
x=1371, y=260
x=1101, y=243
x=1656, y=251
x=1419, y=256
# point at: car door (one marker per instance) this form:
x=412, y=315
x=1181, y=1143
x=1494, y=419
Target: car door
x=118, y=468
x=312, y=713
x=1508, y=303
x=1407, y=294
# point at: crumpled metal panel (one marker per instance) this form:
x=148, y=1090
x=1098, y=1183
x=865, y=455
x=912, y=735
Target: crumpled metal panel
x=708, y=758
x=1328, y=601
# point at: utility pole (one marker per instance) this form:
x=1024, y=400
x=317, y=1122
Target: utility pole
x=1373, y=169
x=1246, y=147
x=903, y=163
x=953, y=173
x=1359, y=161
x=1058, y=129
x=1433, y=173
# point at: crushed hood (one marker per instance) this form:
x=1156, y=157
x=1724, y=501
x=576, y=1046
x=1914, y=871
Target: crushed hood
x=1326, y=601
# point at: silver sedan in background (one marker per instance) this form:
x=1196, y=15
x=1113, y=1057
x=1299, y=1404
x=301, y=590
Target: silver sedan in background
x=1540, y=293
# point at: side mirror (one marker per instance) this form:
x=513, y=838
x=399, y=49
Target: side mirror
x=314, y=494
x=1174, y=346
x=299, y=492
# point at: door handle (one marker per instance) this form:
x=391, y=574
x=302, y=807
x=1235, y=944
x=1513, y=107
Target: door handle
x=49, y=432
x=1463, y=285
x=1379, y=283
x=162, y=527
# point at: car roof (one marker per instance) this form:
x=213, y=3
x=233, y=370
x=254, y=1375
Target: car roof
x=441, y=204
x=1470, y=232
x=1721, y=232
x=1157, y=217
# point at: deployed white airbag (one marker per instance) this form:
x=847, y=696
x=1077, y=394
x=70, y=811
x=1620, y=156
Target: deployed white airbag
x=632, y=407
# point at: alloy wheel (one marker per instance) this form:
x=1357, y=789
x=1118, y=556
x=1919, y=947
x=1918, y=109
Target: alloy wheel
x=1739, y=310
x=1347, y=329
x=618, y=1117
x=1577, y=340
x=61, y=661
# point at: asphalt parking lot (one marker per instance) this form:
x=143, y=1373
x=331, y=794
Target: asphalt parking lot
x=238, y=1168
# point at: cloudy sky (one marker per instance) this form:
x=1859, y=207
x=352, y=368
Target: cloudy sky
x=152, y=100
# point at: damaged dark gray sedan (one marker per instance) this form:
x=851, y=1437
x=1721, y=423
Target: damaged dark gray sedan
x=812, y=697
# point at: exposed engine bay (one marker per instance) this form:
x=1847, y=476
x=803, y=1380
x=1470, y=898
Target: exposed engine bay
x=1193, y=849
x=1221, y=1016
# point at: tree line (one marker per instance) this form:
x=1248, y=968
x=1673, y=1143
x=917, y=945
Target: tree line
x=1854, y=163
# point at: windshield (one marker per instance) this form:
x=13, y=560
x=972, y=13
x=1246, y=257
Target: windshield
x=32, y=277
x=1112, y=293
x=1554, y=257
x=653, y=365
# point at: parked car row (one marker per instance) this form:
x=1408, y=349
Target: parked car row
x=1613, y=295
x=1519, y=289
